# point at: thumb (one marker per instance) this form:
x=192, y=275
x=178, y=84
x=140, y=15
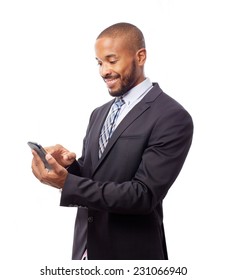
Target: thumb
x=49, y=158
x=51, y=161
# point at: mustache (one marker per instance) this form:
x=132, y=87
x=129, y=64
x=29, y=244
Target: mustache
x=110, y=76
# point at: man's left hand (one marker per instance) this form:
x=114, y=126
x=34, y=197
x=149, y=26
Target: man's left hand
x=55, y=177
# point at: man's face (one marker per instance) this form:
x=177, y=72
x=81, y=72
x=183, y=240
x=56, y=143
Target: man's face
x=117, y=65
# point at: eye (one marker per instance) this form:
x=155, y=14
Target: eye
x=113, y=61
x=99, y=63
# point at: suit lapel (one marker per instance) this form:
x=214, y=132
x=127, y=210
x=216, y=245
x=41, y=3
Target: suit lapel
x=134, y=114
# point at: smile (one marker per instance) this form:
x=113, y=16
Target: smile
x=110, y=82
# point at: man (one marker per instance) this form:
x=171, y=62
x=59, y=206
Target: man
x=133, y=151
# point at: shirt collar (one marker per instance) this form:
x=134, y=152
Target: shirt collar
x=137, y=92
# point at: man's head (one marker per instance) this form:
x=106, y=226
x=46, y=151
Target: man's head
x=120, y=52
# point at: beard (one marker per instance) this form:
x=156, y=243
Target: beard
x=127, y=83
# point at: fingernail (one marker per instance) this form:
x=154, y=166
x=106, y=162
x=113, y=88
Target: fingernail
x=48, y=156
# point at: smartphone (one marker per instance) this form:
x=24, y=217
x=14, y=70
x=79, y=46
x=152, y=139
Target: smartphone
x=40, y=151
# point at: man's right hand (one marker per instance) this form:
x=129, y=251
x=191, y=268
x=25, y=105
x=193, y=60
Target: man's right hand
x=61, y=155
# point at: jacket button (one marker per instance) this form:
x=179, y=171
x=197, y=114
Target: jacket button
x=90, y=219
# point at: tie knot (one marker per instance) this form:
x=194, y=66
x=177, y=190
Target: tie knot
x=119, y=102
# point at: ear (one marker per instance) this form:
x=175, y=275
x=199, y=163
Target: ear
x=141, y=56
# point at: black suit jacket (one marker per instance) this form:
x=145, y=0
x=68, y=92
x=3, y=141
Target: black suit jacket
x=120, y=196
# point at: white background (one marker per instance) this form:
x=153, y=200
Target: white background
x=49, y=84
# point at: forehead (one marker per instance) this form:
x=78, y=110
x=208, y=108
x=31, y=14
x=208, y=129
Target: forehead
x=108, y=46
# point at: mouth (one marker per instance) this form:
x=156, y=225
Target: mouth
x=111, y=82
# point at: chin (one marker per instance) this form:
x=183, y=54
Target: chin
x=115, y=93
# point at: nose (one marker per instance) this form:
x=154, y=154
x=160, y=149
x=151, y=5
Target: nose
x=105, y=70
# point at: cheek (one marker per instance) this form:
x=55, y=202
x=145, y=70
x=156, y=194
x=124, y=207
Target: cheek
x=123, y=67
x=123, y=72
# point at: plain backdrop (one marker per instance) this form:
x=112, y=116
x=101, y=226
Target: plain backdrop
x=49, y=85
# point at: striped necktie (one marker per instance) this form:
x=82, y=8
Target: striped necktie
x=109, y=124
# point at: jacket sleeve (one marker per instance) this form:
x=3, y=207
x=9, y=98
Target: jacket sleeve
x=162, y=160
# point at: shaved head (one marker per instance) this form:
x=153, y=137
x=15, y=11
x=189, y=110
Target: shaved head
x=133, y=36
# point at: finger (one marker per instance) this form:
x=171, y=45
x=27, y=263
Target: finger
x=38, y=168
x=57, y=175
x=53, y=163
x=35, y=169
x=50, y=149
x=70, y=156
x=37, y=160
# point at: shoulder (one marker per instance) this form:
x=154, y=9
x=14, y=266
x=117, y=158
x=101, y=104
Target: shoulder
x=166, y=111
x=162, y=102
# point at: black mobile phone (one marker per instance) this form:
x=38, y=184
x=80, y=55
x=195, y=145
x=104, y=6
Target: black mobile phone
x=40, y=151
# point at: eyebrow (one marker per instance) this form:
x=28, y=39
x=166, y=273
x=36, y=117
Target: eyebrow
x=108, y=56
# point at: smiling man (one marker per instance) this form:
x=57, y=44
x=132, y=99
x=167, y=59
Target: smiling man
x=121, y=57
x=133, y=151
